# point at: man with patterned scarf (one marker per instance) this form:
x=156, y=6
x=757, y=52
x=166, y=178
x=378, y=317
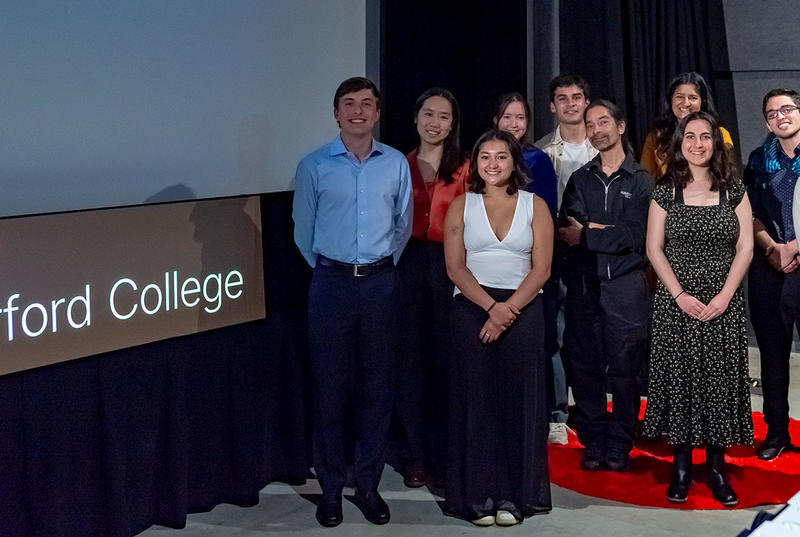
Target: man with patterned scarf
x=774, y=281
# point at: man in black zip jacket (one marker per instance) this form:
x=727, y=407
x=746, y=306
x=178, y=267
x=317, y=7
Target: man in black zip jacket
x=607, y=307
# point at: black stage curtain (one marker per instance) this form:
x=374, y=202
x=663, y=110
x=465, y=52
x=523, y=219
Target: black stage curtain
x=629, y=50
x=108, y=445
x=476, y=49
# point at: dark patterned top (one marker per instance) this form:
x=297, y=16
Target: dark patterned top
x=770, y=177
x=699, y=373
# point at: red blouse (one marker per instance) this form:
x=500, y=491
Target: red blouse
x=431, y=201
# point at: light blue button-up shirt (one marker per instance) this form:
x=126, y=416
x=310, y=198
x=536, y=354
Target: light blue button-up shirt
x=352, y=211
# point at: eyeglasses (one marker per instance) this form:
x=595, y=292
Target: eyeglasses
x=783, y=110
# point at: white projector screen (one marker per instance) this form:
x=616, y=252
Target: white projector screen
x=116, y=102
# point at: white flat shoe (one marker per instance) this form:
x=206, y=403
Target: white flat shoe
x=558, y=434
x=487, y=520
x=504, y=518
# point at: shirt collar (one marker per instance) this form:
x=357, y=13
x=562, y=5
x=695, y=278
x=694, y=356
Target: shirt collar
x=628, y=165
x=337, y=147
x=784, y=159
x=557, y=139
x=412, y=159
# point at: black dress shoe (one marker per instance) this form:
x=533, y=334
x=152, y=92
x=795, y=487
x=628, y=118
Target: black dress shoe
x=373, y=507
x=616, y=460
x=414, y=476
x=329, y=512
x=592, y=458
x=772, y=447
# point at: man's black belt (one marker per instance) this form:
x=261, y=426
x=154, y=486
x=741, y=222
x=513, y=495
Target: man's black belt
x=356, y=270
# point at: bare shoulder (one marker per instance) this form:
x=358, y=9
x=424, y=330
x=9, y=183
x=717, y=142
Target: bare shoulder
x=542, y=221
x=457, y=205
x=540, y=208
x=539, y=205
x=454, y=218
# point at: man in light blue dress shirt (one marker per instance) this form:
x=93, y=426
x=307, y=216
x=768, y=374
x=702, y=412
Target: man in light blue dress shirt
x=352, y=214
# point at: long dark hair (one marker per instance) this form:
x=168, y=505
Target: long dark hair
x=519, y=174
x=451, y=147
x=721, y=170
x=666, y=121
x=500, y=109
x=619, y=117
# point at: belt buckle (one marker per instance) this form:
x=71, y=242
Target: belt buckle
x=356, y=273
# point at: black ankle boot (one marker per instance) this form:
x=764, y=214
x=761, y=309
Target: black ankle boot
x=717, y=478
x=678, y=489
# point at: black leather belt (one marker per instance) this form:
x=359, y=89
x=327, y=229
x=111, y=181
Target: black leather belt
x=356, y=270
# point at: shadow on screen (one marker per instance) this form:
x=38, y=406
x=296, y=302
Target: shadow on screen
x=227, y=236
x=177, y=192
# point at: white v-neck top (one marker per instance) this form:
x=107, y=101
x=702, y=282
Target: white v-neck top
x=495, y=263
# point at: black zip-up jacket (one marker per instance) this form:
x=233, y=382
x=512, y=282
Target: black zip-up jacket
x=620, y=202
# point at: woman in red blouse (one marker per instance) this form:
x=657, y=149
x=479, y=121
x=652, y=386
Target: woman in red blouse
x=438, y=174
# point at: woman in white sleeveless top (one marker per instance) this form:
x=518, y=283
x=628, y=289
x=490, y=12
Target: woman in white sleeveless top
x=498, y=243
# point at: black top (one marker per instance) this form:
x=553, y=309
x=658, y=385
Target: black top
x=620, y=202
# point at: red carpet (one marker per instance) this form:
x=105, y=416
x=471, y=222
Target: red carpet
x=755, y=481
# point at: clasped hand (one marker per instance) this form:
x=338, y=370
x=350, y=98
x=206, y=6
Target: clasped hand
x=500, y=318
x=703, y=312
x=782, y=257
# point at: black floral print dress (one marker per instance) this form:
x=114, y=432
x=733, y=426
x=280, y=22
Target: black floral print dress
x=699, y=391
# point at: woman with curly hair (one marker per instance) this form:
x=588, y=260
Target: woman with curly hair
x=700, y=242
x=686, y=93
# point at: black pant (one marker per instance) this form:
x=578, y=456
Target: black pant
x=605, y=342
x=423, y=338
x=351, y=320
x=773, y=303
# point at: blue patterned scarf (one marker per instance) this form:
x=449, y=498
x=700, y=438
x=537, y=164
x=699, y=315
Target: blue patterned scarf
x=768, y=160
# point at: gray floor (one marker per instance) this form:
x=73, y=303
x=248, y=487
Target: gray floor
x=283, y=510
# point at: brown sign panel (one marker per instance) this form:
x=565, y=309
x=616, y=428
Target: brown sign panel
x=82, y=283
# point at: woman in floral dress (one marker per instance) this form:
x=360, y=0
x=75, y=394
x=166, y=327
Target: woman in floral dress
x=700, y=242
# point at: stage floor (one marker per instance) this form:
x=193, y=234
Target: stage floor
x=285, y=510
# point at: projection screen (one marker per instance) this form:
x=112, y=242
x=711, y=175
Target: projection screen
x=109, y=103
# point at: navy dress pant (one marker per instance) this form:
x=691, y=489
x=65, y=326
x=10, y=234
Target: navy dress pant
x=351, y=320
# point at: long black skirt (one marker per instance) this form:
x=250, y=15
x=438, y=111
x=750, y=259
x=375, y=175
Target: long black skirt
x=497, y=449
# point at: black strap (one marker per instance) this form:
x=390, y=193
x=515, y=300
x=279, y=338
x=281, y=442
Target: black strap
x=723, y=196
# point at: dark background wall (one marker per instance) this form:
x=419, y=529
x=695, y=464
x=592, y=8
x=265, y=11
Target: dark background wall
x=628, y=50
x=477, y=51
x=543, y=61
x=764, y=53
